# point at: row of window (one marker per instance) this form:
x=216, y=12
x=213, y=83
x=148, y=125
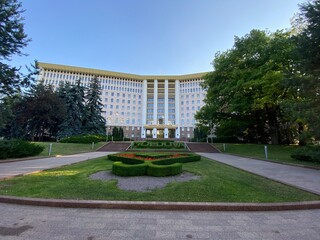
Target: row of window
x=122, y=101
x=192, y=95
x=86, y=77
x=122, y=89
x=192, y=83
x=193, y=108
x=113, y=94
x=132, y=114
x=190, y=90
x=192, y=102
x=133, y=108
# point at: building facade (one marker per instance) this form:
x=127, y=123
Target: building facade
x=144, y=106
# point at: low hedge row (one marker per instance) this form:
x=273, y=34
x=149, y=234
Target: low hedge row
x=115, y=157
x=129, y=170
x=181, y=159
x=122, y=169
x=308, y=153
x=128, y=166
x=84, y=139
x=163, y=171
x=153, y=155
x=159, y=145
x=18, y=149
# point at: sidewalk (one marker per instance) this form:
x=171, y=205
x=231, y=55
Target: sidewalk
x=11, y=169
x=304, y=178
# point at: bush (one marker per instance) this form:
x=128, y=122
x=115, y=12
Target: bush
x=308, y=153
x=180, y=159
x=18, y=149
x=153, y=155
x=127, y=160
x=122, y=169
x=84, y=139
x=129, y=166
x=159, y=144
x=164, y=170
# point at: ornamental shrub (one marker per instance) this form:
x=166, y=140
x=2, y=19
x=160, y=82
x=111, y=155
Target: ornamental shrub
x=84, y=139
x=164, y=170
x=122, y=169
x=127, y=160
x=18, y=149
x=309, y=153
x=180, y=159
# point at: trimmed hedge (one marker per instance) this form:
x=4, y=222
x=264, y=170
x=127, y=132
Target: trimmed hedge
x=122, y=169
x=160, y=144
x=164, y=170
x=18, y=149
x=182, y=159
x=153, y=155
x=128, y=166
x=84, y=139
x=308, y=153
x=115, y=157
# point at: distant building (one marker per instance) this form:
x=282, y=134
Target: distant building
x=144, y=106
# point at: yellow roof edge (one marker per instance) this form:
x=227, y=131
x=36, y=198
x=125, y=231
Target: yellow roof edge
x=91, y=71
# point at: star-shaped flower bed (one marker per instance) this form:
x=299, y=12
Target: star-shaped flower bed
x=151, y=164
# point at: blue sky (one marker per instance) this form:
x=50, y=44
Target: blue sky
x=144, y=36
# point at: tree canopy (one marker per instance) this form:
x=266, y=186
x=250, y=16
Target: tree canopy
x=12, y=40
x=266, y=88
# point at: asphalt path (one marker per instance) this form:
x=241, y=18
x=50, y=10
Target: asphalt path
x=11, y=169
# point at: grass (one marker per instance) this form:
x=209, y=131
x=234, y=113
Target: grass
x=218, y=183
x=67, y=148
x=278, y=153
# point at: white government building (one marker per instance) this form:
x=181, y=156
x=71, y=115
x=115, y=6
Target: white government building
x=144, y=106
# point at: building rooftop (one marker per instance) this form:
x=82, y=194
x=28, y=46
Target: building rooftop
x=97, y=72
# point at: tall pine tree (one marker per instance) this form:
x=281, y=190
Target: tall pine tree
x=74, y=99
x=94, y=122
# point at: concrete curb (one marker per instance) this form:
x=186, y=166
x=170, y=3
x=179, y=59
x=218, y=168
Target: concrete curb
x=178, y=206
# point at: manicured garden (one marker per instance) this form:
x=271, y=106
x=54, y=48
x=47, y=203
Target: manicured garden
x=151, y=164
x=159, y=144
x=217, y=183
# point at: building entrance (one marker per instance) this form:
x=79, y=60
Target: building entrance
x=160, y=133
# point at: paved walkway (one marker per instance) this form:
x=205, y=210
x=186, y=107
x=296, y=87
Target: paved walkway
x=304, y=178
x=11, y=169
x=28, y=222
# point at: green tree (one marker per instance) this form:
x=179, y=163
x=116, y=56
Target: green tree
x=246, y=89
x=305, y=82
x=12, y=40
x=40, y=113
x=7, y=116
x=94, y=122
x=74, y=99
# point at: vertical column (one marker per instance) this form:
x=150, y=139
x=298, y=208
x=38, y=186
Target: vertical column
x=177, y=107
x=144, y=109
x=155, y=107
x=166, y=107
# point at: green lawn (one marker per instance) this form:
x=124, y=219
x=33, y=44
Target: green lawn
x=218, y=183
x=279, y=153
x=67, y=148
